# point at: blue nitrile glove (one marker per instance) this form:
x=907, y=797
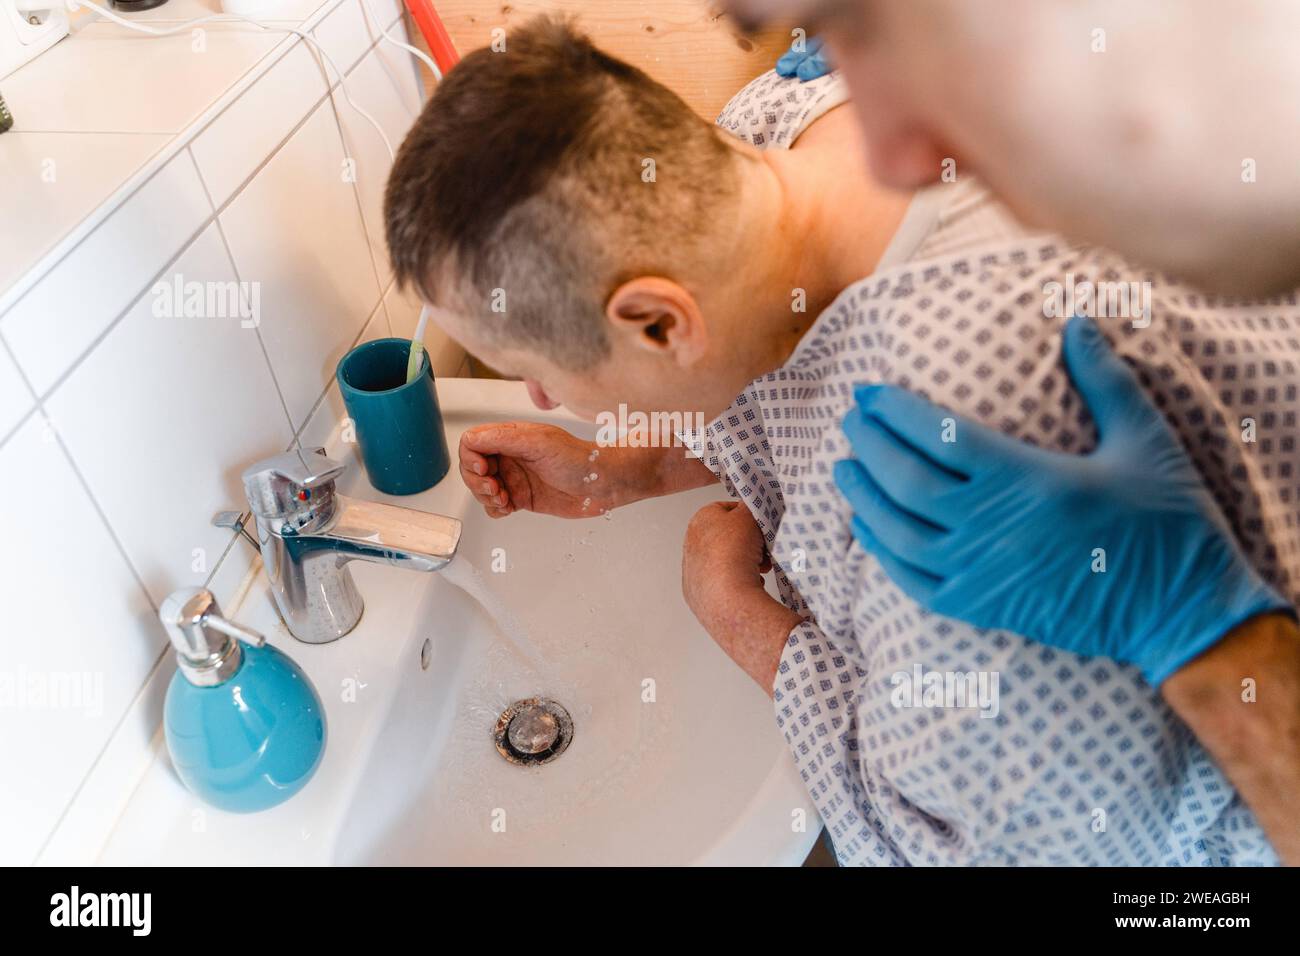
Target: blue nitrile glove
x=807, y=64
x=1002, y=534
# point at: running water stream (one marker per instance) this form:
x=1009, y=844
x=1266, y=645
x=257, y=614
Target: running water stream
x=465, y=575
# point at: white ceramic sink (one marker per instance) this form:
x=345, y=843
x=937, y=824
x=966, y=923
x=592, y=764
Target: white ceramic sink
x=675, y=756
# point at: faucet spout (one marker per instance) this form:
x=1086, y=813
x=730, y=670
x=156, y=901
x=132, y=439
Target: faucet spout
x=308, y=534
x=386, y=534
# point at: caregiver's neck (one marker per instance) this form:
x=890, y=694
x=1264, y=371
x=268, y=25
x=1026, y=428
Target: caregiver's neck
x=810, y=219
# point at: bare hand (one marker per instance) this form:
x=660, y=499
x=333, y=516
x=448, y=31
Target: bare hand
x=514, y=466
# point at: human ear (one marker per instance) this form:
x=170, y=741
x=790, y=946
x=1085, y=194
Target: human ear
x=659, y=316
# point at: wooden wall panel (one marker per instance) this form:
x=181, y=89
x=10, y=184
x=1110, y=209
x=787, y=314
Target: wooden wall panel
x=685, y=44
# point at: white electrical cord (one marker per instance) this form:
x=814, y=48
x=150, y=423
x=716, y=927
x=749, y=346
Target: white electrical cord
x=107, y=14
x=414, y=51
x=417, y=339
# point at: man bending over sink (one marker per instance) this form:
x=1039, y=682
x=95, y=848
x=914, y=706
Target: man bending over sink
x=576, y=225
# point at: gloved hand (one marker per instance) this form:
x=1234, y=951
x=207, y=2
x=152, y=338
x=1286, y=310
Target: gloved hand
x=1002, y=534
x=807, y=64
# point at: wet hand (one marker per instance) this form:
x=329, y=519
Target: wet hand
x=524, y=466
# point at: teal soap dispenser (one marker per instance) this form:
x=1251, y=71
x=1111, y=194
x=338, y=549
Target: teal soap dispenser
x=244, y=725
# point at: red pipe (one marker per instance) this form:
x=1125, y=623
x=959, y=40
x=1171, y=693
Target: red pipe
x=435, y=34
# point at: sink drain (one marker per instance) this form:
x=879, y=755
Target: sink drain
x=533, y=731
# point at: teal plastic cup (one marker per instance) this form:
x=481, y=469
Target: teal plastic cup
x=398, y=424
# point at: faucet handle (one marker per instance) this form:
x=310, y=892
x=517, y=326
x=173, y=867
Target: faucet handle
x=285, y=485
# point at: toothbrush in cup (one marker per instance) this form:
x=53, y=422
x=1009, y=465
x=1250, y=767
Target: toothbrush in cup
x=417, y=346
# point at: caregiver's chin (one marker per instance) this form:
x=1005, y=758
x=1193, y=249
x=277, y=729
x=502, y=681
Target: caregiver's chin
x=1138, y=127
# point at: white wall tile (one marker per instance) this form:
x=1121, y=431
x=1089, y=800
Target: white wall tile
x=345, y=34
x=445, y=354
x=74, y=615
x=162, y=414
x=60, y=317
x=297, y=230
x=323, y=428
x=230, y=149
x=181, y=10
x=386, y=12
x=404, y=71
x=163, y=417
x=375, y=85
x=54, y=181
x=172, y=81
x=231, y=574
x=15, y=398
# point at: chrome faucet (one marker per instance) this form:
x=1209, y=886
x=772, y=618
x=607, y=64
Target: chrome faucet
x=308, y=533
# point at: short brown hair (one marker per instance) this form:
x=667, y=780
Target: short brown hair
x=524, y=172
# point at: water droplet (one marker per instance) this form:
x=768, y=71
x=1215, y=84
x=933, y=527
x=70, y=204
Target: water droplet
x=593, y=476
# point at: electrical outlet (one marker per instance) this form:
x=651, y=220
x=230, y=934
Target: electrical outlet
x=27, y=29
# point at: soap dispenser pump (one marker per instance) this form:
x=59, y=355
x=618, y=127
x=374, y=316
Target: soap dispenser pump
x=244, y=725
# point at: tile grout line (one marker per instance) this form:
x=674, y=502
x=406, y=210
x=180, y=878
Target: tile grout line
x=144, y=684
x=108, y=743
x=39, y=409
x=356, y=180
x=174, y=137
x=22, y=419
x=38, y=406
x=81, y=357
x=320, y=399
x=365, y=228
x=99, y=338
x=234, y=266
x=85, y=485
x=275, y=381
x=293, y=40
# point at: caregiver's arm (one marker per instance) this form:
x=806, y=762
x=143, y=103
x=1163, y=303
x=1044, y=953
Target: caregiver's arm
x=525, y=466
x=1121, y=553
x=1242, y=700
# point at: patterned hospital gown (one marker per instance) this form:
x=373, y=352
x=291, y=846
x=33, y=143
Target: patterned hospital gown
x=1084, y=763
